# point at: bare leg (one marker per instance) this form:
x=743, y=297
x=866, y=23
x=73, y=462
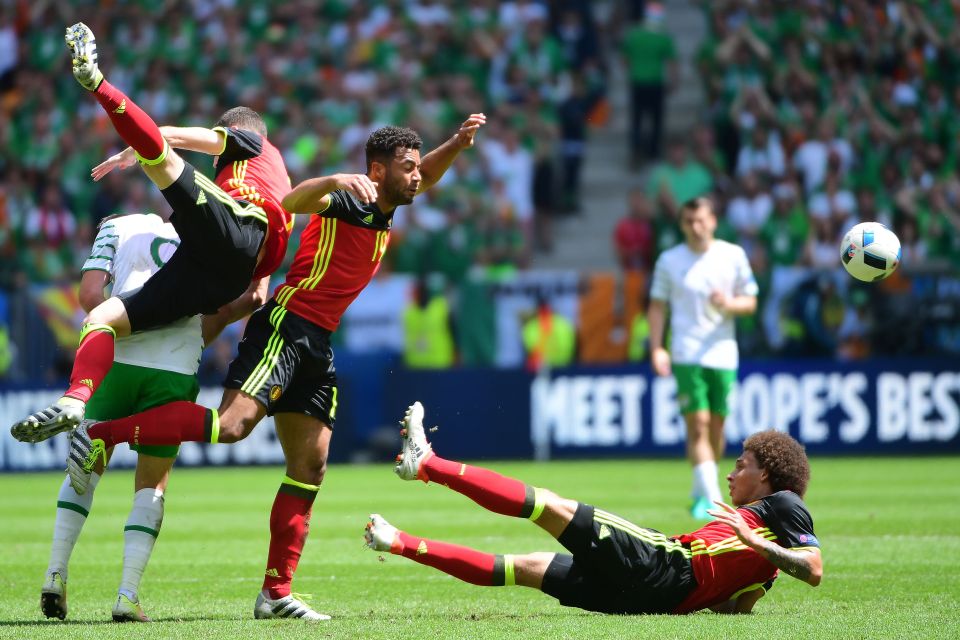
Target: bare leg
x=699, y=448
x=717, y=441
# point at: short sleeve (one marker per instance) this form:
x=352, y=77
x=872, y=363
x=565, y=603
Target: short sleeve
x=660, y=288
x=239, y=145
x=339, y=205
x=746, y=284
x=794, y=525
x=103, y=251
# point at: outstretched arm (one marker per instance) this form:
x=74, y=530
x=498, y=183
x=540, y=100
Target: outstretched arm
x=313, y=195
x=209, y=141
x=802, y=564
x=435, y=164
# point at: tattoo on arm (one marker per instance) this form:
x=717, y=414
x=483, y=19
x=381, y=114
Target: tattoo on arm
x=796, y=563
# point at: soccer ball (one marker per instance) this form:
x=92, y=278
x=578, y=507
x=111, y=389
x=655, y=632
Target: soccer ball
x=870, y=251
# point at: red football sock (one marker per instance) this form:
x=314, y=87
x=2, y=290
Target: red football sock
x=167, y=424
x=289, y=525
x=135, y=127
x=464, y=563
x=91, y=364
x=488, y=489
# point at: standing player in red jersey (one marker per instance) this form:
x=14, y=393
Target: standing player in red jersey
x=233, y=230
x=615, y=566
x=284, y=367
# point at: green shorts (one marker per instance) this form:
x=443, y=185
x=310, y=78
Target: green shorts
x=700, y=388
x=129, y=389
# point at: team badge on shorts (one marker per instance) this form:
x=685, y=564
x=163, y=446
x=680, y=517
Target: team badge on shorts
x=275, y=392
x=683, y=400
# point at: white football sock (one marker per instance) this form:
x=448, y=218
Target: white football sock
x=139, y=536
x=72, y=512
x=705, y=476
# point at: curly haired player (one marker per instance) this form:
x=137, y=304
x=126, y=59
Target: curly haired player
x=613, y=565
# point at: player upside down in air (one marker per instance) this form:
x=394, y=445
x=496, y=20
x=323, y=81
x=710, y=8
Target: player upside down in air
x=284, y=367
x=616, y=566
x=233, y=229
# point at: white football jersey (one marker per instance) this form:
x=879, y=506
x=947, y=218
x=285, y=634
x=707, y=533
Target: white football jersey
x=699, y=332
x=132, y=248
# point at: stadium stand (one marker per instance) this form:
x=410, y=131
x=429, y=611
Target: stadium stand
x=816, y=115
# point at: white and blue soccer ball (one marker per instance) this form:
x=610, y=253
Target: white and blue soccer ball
x=870, y=251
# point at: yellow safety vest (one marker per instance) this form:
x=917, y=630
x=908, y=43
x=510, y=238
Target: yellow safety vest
x=427, y=340
x=6, y=355
x=558, y=346
x=639, y=333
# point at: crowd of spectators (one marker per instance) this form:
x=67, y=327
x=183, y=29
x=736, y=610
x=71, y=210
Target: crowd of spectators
x=324, y=74
x=820, y=114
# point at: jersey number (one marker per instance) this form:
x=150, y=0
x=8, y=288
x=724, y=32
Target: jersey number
x=155, y=250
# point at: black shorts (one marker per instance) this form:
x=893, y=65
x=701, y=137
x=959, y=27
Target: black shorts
x=286, y=363
x=214, y=263
x=618, y=567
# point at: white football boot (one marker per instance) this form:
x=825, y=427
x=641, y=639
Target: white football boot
x=53, y=596
x=83, y=56
x=63, y=415
x=82, y=456
x=415, y=449
x=291, y=606
x=379, y=534
x=127, y=610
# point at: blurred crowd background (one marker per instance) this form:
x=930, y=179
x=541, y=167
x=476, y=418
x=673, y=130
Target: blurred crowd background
x=816, y=114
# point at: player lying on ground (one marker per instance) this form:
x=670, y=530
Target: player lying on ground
x=615, y=566
x=150, y=368
x=232, y=230
x=284, y=366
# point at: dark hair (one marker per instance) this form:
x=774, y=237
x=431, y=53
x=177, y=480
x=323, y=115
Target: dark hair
x=243, y=118
x=695, y=203
x=384, y=142
x=783, y=458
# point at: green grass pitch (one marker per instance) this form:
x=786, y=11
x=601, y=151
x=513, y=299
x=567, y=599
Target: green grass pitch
x=890, y=529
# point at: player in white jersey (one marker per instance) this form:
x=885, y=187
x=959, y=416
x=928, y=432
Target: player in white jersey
x=151, y=368
x=705, y=282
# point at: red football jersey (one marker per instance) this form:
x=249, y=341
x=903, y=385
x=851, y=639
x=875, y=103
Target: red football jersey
x=723, y=566
x=251, y=169
x=340, y=252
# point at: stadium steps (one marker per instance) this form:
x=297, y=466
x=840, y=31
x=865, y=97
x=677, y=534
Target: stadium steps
x=584, y=241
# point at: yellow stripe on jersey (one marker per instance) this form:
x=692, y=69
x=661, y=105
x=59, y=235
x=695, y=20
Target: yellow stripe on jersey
x=325, y=225
x=321, y=260
x=328, y=252
x=270, y=355
x=699, y=547
x=655, y=538
x=250, y=211
x=287, y=291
